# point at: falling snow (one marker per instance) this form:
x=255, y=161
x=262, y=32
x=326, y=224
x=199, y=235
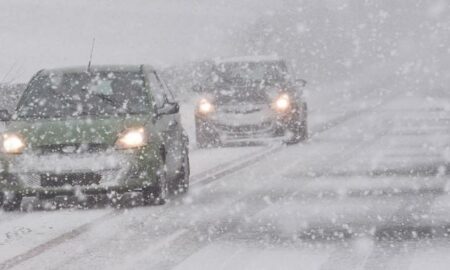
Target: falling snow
x=255, y=134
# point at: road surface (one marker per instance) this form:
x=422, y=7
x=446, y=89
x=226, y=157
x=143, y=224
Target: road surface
x=367, y=191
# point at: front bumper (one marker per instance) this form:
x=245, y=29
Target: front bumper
x=231, y=131
x=260, y=130
x=90, y=173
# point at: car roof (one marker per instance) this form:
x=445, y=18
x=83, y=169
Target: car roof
x=97, y=68
x=252, y=58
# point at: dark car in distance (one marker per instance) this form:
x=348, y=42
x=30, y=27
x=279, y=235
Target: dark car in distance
x=250, y=98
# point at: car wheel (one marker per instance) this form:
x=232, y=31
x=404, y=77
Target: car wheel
x=156, y=195
x=299, y=130
x=182, y=183
x=11, y=201
x=114, y=199
x=304, y=124
x=204, y=137
x=203, y=142
x=303, y=134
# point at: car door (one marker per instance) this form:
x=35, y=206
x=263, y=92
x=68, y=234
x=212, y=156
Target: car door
x=168, y=124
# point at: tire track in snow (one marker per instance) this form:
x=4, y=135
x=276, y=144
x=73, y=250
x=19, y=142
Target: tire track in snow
x=226, y=226
x=389, y=255
x=10, y=263
x=359, y=261
x=206, y=233
x=202, y=179
x=410, y=222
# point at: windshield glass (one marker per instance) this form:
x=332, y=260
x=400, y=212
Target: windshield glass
x=77, y=94
x=244, y=82
x=238, y=73
x=237, y=95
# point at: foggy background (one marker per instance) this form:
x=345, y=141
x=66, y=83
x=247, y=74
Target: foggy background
x=325, y=40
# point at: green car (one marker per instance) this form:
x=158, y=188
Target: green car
x=102, y=130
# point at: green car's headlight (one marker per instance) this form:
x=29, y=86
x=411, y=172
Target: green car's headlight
x=12, y=143
x=132, y=138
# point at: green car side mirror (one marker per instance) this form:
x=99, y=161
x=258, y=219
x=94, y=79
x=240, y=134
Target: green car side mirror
x=169, y=108
x=5, y=116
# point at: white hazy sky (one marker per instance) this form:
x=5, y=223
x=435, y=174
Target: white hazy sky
x=51, y=33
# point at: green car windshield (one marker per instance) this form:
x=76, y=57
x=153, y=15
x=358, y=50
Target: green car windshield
x=84, y=94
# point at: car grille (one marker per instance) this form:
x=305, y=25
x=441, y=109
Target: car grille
x=71, y=148
x=262, y=127
x=69, y=179
x=72, y=179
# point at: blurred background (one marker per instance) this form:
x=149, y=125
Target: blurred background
x=324, y=40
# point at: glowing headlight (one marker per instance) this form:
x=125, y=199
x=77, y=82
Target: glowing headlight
x=282, y=103
x=12, y=144
x=205, y=106
x=131, y=138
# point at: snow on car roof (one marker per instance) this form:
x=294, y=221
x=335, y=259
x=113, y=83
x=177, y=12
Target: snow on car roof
x=251, y=58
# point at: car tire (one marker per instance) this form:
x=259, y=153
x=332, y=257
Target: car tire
x=114, y=199
x=201, y=142
x=303, y=133
x=304, y=124
x=181, y=185
x=157, y=194
x=299, y=129
x=207, y=143
x=204, y=137
x=11, y=201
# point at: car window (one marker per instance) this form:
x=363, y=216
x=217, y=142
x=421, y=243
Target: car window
x=63, y=95
x=100, y=87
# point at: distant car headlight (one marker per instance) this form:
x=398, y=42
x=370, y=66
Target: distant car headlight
x=205, y=106
x=132, y=138
x=12, y=143
x=282, y=103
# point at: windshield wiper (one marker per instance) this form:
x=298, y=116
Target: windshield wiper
x=108, y=99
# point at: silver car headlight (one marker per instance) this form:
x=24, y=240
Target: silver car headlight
x=205, y=106
x=282, y=103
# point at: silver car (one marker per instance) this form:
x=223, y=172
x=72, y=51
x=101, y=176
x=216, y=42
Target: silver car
x=250, y=98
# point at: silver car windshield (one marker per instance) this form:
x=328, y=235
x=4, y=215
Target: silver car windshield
x=238, y=73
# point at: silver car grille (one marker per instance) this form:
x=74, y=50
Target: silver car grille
x=246, y=129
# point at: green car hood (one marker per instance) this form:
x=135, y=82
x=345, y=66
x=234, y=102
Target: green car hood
x=72, y=131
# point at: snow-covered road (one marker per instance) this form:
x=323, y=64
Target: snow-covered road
x=368, y=191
